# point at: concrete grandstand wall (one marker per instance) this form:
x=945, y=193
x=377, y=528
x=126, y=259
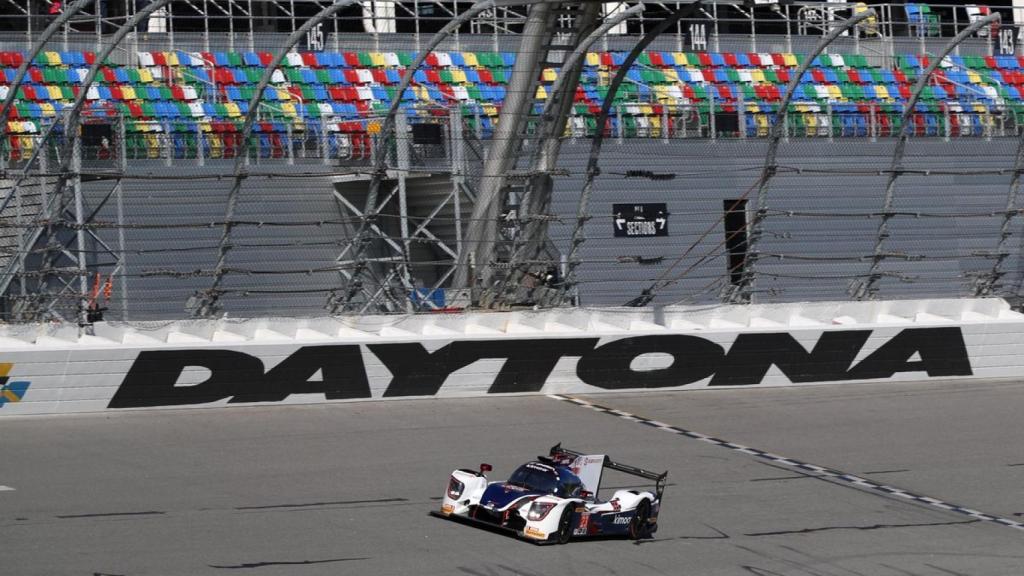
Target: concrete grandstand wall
x=50, y=369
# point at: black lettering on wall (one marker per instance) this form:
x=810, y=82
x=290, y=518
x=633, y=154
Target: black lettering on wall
x=344, y=376
x=942, y=352
x=414, y=371
x=751, y=355
x=528, y=363
x=608, y=366
x=151, y=379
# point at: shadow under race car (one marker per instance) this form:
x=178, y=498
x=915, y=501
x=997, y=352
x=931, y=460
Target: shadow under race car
x=554, y=498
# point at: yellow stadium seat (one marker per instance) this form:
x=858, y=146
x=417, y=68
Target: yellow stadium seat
x=470, y=59
x=129, y=93
x=152, y=146
x=459, y=76
x=53, y=58
x=671, y=75
x=541, y=94
x=172, y=58
x=593, y=59
x=145, y=75
x=549, y=75
x=882, y=92
x=763, y=126
x=378, y=59
x=54, y=92
x=233, y=110
x=216, y=145
x=757, y=75
x=834, y=92
x=973, y=77
x=47, y=109
x=289, y=109
x=680, y=59
x=790, y=59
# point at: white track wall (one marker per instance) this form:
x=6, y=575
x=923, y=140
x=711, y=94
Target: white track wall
x=52, y=369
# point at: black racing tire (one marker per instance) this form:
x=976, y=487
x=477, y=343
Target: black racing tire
x=564, y=526
x=638, y=527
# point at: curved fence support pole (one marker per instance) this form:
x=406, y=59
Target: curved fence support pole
x=986, y=285
x=595, y=146
x=361, y=239
x=19, y=76
x=71, y=130
x=530, y=242
x=867, y=288
x=744, y=290
x=207, y=301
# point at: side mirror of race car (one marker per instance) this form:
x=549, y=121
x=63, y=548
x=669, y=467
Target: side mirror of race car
x=484, y=468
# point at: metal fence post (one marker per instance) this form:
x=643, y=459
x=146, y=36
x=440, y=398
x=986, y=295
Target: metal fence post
x=744, y=290
x=664, y=123
x=741, y=114
x=291, y=144
x=119, y=199
x=831, y=121
x=874, y=122
x=618, y=125
x=200, y=146
x=867, y=288
x=325, y=153
x=947, y=125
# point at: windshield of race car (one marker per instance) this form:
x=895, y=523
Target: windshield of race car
x=541, y=478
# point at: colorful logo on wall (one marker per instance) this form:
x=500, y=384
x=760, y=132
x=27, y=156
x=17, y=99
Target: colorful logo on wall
x=11, y=391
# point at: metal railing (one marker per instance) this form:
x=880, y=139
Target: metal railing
x=237, y=25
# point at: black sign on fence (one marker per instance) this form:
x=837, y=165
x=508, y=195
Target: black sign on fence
x=640, y=220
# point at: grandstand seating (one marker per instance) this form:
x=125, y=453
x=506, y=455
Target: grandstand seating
x=170, y=98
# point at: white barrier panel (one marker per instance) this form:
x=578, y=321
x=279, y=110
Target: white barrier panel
x=53, y=369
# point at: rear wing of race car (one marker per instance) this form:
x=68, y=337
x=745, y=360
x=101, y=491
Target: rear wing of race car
x=659, y=479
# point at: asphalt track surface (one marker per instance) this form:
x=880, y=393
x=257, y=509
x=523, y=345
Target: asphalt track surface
x=346, y=488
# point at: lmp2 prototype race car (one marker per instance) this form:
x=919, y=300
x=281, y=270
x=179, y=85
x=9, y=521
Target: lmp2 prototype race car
x=554, y=498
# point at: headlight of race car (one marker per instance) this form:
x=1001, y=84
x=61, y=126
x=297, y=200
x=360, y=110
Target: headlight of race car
x=538, y=510
x=455, y=488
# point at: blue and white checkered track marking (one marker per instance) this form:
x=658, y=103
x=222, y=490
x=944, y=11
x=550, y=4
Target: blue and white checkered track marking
x=838, y=475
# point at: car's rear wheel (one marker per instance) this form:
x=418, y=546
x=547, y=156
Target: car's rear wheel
x=638, y=525
x=565, y=526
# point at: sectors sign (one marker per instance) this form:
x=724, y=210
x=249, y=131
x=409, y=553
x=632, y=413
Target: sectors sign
x=640, y=220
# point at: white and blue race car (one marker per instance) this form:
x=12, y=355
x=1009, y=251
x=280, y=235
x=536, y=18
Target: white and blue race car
x=554, y=499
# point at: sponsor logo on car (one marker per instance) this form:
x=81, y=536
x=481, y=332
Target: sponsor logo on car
x=534, y=533
x=621, y=520
x=11, y=391
x=447, y=509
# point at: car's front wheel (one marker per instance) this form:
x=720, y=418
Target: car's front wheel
x=638, y=525
x=565, y=526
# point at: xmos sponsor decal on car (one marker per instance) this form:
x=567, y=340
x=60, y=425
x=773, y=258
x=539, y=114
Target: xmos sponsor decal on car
x=11, y=391
x=528, y=363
